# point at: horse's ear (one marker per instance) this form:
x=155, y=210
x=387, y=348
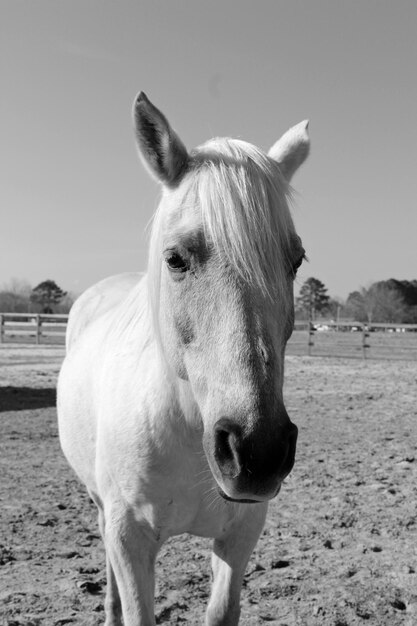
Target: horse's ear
x=160, y=147
x=292, y=149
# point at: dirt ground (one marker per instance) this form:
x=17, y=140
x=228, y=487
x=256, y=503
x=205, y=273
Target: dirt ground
x=340, y=544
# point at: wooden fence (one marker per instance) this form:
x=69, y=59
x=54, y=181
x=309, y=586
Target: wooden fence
x=355, y=340
x=33, y=328
x=343, y=339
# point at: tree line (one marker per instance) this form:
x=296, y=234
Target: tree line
x=389, y=301
x=47, y=297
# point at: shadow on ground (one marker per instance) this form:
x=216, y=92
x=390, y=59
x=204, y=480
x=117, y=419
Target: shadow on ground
x=20, y=398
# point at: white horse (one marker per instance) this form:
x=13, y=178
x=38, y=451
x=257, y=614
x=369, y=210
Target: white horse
x=170, y=397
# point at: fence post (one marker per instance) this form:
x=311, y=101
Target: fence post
x=38, y=329
x=311, y=330
x=365, y=344
x=1, y=328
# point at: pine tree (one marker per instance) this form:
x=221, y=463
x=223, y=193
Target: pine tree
x=313, y=297
x=47, y=294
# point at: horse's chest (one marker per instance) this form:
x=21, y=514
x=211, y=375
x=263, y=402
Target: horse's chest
x=177, y=494
x=163, y=473
x=205, y=517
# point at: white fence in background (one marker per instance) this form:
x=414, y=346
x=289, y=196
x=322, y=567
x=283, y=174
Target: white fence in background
x=354, y=339
x=32, y=327
x=343, y=339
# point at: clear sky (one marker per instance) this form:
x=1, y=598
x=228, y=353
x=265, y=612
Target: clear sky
x=74, y=198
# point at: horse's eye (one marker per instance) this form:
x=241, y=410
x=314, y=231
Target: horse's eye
x=298, y=264
x=176, y=263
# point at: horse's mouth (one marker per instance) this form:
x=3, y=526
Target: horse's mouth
x=244, y=500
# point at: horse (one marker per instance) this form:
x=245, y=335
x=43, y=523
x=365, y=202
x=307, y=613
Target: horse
x=170, y=397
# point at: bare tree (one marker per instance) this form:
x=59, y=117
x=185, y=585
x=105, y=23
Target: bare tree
x=15, y=296
x=378, y=303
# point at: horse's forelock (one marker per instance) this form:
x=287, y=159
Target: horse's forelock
x=244, y=207
x=242, y=199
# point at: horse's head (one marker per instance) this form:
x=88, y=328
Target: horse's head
x=223, y=256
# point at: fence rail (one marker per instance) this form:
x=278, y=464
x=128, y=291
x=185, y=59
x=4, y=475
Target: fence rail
x=343, y=339
x=354, y=339
x=40, y=327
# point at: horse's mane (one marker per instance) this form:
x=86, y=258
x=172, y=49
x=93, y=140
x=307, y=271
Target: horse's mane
x=242, y=200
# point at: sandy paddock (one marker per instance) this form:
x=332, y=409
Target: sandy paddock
x=340, y=544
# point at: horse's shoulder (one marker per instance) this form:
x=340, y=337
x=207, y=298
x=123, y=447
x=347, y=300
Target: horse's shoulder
x=97, y=301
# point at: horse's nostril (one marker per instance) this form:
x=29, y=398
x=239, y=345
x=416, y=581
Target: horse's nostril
x=224, y=451
x=225, y=448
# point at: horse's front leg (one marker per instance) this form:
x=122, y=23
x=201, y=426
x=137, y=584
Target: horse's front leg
x=112, y=604
x=229, y=559
x=131, y=548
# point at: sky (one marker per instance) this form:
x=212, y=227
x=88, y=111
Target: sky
x=75, y=200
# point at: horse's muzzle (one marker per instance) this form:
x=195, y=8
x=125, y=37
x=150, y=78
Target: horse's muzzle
x=250, y=467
